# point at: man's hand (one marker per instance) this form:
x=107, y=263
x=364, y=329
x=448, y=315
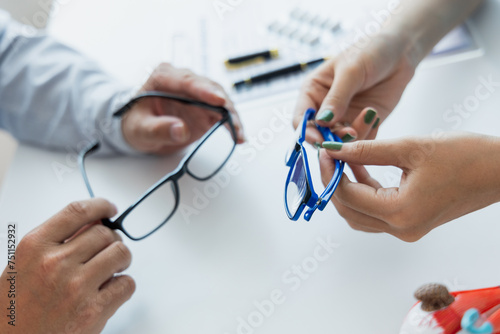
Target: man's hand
x=162, y=126
x=66, y=270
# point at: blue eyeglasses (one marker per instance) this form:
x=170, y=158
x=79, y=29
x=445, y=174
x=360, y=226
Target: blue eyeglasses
x=299, y=191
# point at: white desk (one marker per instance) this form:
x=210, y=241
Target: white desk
x=201, y=276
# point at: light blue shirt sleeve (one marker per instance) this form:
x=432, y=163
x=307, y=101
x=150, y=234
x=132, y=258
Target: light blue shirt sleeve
x=54, y=97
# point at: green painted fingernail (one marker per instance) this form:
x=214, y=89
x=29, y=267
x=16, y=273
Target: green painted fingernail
x=332, y=145
x=369, y=116
x=325, y=116
x=348, y=137
x=317, y=145
x=376, y=123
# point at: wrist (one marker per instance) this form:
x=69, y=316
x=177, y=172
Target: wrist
x=409, y=40
x=420, y=25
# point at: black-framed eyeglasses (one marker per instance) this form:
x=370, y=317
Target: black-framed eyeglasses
x=159, y=203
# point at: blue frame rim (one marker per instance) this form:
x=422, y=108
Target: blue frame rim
x=314, y=201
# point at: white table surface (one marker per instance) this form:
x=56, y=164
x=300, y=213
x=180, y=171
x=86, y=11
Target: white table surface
x=199, y=275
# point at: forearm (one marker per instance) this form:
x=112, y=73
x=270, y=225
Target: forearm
x=422, y=24
x=54, y=97
x=487, y=163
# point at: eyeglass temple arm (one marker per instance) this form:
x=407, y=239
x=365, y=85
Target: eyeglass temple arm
x=123, y=110
x=92, y=148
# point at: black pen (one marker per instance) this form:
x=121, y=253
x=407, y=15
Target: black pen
x=254, y=58
x=299, y=67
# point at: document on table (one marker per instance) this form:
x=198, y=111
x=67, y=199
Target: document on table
x=300, y=35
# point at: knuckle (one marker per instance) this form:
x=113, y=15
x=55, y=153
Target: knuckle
x=343, y=211
x=309, y=81
x=392, y=202
x=188, y=79
x=104, y=234
x=128, y=285
x=155, y=77
x=362, y=149
x=399, y=219
x=50, y=268
x=337, y=101
x=125, y=286
x=312, y=83
x=84, y=313
x=122, y=251
x=90, y=315
x=52, y=262
x=75, y=287
x=409, y=236
x=355, y=226
x=27, y=244
x=408, y=227
x=409, y=144
x=159, y=73
x=77, y=209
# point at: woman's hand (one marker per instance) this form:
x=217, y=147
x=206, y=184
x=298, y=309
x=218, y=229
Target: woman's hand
x=66, y=269
x=367, y=81
x=375, y=75
x=443, y=178
x=161, y=126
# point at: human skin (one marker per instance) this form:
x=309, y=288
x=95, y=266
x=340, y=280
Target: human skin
x=443, y=178
x=166, y=127
x=377, y=74
x=67, y=268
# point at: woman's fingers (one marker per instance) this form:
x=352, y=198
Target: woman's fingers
x=359, y=221
x=346, y=83
x=362, y=176
x=371, y=152
x=369, y=199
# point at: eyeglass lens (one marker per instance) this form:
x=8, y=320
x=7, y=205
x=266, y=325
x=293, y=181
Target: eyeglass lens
x=212, y=154
x=296, y=188
x=155, y=209
x=151, y=212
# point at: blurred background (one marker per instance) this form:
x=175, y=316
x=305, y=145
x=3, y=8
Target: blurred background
x=20, y=10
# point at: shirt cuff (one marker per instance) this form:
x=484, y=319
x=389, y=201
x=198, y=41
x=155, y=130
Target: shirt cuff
x=113, y=137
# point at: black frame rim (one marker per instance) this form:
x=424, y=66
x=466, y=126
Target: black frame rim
x=173, y=176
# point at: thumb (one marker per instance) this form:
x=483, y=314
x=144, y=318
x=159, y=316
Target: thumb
x=372, y=152
x=338, y=98
x=163, y=130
